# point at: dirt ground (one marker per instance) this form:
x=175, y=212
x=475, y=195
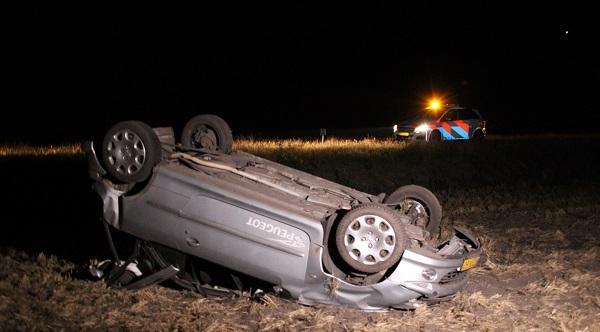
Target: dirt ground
x=534, y=203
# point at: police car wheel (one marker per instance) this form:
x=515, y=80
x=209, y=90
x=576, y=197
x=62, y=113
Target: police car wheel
x=435, y=136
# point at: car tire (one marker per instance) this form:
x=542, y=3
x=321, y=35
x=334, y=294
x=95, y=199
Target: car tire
x=435, y=136
x=371, y=238
x=130, y=150
x=478, y=136
x=209, y=132
x=413, y=201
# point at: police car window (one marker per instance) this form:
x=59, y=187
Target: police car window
x=468, y=115
x=450, y=116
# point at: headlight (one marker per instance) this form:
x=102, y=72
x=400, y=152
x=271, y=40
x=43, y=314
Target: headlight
x=422, y=128
x=395, y=128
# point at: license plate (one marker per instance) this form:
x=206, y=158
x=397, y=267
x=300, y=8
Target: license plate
x=404, y=134
x=469, y=263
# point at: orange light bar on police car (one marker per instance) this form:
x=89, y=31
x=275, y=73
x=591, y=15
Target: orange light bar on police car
x=435, y=105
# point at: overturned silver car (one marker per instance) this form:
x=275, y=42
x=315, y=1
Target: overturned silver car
x=311, y=239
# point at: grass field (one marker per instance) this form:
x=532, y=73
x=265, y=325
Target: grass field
x=533, y=201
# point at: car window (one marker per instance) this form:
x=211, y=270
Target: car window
x=420, y=116
x=468, y=114
x=450, y=115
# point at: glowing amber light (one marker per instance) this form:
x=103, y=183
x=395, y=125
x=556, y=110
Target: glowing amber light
x=435, y=104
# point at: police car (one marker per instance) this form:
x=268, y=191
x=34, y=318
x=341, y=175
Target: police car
x=455, y=123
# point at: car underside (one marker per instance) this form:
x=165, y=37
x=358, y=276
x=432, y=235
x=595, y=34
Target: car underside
x=311, y=239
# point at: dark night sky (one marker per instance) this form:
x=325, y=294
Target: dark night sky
x=73, y=72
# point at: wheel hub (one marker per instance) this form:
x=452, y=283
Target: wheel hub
x=416, y=211
x=370, y=239
x=126, y=152
x=206, y=138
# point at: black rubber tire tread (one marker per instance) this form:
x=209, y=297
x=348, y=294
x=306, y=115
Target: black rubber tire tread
x=425, y=197
x=151, y=143
x=435, y=136
x=214, y=122
x=478, y=136
x=402, y=241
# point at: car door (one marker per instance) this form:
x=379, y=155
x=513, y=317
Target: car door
x=471, y=120
x=452, y=127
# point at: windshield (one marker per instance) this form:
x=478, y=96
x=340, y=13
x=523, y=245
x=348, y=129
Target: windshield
x=421, y=116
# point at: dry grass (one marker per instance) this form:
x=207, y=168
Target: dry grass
x=23, y=150
x=249, y=145
x=366, y=145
